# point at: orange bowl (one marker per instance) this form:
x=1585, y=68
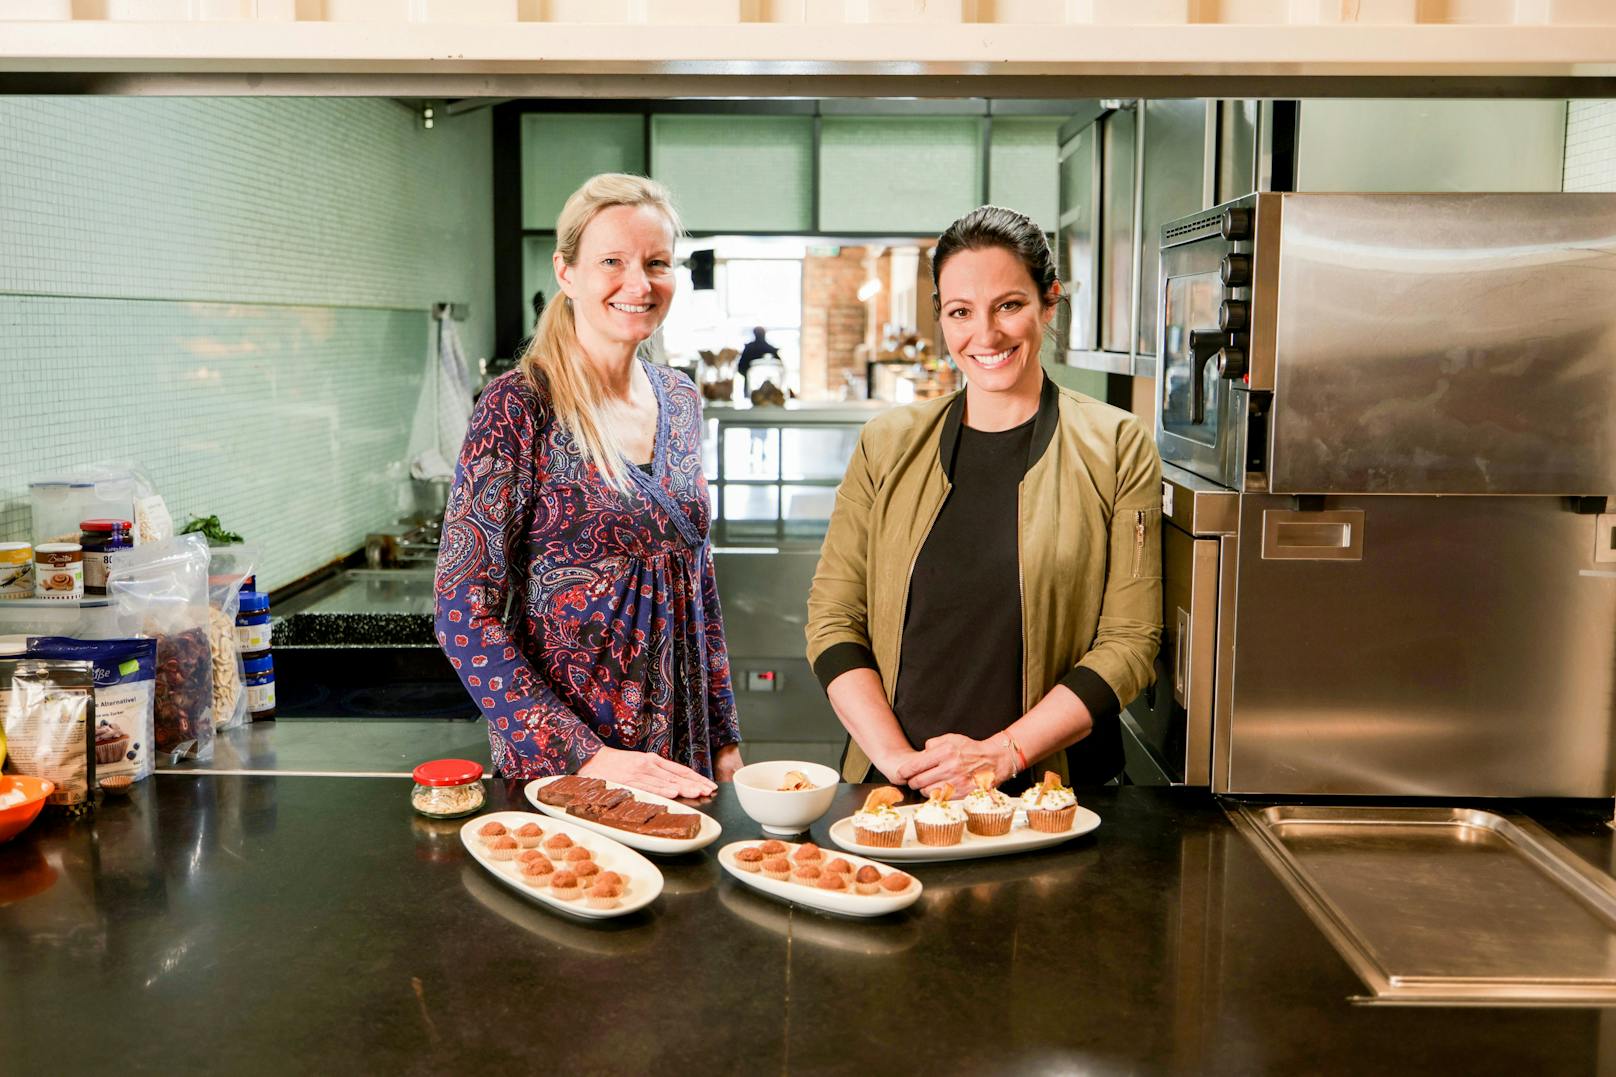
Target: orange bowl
x=15, y=819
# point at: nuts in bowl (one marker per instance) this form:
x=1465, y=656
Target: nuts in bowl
x=785, y=796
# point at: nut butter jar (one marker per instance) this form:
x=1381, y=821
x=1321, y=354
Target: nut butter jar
x=59, y=571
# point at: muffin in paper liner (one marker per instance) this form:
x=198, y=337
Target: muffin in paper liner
x=939, y=833
x=1052, y=820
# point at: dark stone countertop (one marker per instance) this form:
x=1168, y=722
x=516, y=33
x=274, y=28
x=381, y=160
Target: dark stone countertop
x=274, y=923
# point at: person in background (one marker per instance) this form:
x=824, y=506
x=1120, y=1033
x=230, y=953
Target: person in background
x=989, y=589
x=755, y=349
x=579, y=501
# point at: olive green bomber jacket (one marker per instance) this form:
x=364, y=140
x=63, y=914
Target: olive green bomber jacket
x=1090, y=550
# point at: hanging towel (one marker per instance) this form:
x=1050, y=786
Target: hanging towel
x=454, y=391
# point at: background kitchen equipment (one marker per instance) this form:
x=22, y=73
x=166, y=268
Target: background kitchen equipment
x=1335, y=369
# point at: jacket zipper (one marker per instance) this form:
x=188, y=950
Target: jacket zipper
x=1138, y=539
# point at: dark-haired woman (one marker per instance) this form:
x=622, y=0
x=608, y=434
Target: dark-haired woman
x=989, y=593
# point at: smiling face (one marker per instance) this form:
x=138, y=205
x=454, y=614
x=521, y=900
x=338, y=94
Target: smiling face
x=621, y=281
x=993, y=319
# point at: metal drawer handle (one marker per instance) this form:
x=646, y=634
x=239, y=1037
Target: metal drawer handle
x=1313, y=536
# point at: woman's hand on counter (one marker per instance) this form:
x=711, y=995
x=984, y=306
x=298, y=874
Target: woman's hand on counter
x=894, y=764
x=650, y=772
x=953, y=758
x=727, y=762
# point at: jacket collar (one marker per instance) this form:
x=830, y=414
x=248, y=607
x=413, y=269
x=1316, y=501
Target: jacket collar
x=1043, y=427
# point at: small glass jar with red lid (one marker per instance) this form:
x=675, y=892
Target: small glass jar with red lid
x=446, y=788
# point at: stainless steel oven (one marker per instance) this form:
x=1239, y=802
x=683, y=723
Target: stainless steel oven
x=1388, y=428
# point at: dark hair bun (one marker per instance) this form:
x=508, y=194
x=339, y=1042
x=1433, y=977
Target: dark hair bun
x=996, y=226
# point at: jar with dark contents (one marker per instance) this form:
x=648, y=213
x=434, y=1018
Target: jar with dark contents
x=446, y=788
x=100, y=539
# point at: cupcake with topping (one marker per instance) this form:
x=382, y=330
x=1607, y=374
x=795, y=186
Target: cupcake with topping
x=878, y=822
x=1050, y=806
x=940, y=821
x=988, y=812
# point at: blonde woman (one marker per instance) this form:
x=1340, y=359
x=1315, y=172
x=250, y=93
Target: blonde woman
x=579, y=501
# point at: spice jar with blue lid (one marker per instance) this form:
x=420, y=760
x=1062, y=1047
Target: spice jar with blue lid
x=252, y=623
x=259, y=673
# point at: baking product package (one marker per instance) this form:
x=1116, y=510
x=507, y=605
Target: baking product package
x=125, y=697
x=48, y=707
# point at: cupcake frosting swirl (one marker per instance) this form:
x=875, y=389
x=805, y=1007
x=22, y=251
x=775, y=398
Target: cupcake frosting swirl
x=940, y=812
x=877, y=820
x=986, y=800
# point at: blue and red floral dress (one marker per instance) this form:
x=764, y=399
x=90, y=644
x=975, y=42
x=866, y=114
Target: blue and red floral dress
x=613, y=634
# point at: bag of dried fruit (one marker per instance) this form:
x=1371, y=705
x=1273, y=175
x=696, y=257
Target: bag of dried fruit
x=160, y=590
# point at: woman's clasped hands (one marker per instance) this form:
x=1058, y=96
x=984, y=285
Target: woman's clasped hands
x=952, y=758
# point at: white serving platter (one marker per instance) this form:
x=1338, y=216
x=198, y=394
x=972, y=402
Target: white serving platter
x=842, y=903
x=643, y=880
x=709, y=832
x=1021, y=839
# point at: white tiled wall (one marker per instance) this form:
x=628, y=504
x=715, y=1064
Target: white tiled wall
x=1590, y=163
x=234, y=292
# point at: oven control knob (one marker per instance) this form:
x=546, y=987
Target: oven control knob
x=1230, y=362
x=1236, y=224
x=1232, y=316
x=1235, y=271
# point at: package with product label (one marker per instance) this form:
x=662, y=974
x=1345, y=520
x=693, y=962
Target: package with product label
x=125, y=698
x=48, y=707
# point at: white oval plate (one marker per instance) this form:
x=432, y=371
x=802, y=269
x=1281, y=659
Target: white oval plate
x=1021, y=839
x=709, y=832
x=835, y=901
x=644, y=881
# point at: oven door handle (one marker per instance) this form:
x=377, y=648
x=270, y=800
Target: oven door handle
x=1204, y=344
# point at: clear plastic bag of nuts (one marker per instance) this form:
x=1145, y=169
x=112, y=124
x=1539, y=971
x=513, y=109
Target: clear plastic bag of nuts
x=228, y=568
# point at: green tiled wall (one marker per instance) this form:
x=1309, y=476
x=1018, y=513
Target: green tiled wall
x=234, y=292
x=1023, y=172
x=898, y=175
x=562, y=149
x=737, y=173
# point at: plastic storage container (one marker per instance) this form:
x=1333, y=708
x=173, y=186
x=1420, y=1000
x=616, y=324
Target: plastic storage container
x=59, y=504
x=260, y=674
x=446, y=788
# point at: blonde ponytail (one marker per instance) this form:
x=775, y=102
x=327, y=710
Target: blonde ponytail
x=553, y=363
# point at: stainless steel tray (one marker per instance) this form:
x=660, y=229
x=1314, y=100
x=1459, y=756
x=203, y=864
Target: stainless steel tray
x=1445, y=905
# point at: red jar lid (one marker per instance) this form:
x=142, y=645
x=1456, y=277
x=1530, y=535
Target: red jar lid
x=105, y=525
x=448, y=772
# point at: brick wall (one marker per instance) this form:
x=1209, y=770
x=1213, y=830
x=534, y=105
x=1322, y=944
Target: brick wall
x=833, y=320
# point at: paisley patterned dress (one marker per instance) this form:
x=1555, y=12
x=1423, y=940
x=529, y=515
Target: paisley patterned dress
x=577, y=616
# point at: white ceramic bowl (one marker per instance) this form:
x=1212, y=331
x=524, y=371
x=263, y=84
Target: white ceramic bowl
x=758, y=787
